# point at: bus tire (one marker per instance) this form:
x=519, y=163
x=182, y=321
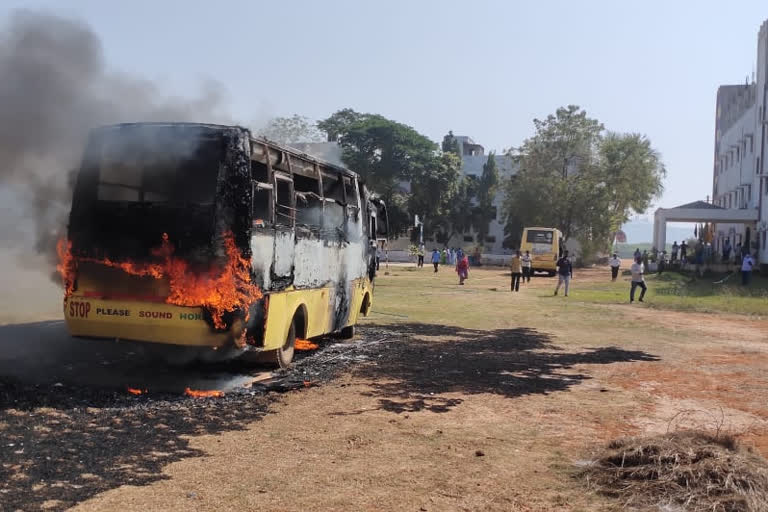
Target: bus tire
x=551, y=273
x=281, y=357
x=347, y=333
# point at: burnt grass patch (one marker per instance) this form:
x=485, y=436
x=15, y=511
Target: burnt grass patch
x=414, y=370
x=62, y=445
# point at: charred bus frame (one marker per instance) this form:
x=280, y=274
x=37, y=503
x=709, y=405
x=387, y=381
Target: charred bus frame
x=308, y=228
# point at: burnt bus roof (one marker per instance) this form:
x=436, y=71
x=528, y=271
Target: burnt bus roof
x=254, y=140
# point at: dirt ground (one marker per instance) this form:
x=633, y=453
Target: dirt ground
x=480, y=399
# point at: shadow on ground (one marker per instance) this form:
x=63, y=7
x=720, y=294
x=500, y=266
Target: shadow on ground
x=69, y=446
x=432, y=360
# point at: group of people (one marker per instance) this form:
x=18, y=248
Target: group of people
x=448, y=256
x=456, y=257
x=521, y=269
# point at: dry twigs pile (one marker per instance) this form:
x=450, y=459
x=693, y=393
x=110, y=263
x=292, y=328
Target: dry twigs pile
x=692, y=470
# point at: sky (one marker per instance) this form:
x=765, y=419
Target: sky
x=484, y=69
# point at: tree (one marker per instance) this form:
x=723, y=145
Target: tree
x=461, y=214
x=485, y=212
x=338, y=123
x=296, y=128
x=433, y=192
x=451, y=144
x=633, y=174
x=388, y=155
x=585, y=184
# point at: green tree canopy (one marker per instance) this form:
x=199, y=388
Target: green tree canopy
x=581, y=181
x=392, y=158
x=487, y=187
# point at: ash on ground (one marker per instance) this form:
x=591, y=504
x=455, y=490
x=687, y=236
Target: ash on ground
x=61, y=444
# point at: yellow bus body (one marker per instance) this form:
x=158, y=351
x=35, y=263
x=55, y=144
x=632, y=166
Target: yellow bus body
x=159, y=322
x=544, y=256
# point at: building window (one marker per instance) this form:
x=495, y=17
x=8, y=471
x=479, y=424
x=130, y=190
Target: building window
x=469, y=239
x=490, y=239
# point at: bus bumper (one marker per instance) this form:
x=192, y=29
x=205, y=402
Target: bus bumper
x=140, y=321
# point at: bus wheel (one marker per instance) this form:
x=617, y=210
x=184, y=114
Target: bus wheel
x=347, y=333
x=551, y=274
x=281, y=357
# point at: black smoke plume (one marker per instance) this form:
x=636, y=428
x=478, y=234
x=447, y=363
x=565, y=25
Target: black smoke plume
x=54, y=87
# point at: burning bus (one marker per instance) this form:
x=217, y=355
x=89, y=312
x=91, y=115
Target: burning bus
x=206, y=236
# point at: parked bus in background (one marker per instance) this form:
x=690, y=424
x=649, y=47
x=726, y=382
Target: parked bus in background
x=545, y=246
x=205, y=236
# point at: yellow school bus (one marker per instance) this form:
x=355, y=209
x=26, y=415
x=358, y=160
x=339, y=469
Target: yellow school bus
x=206, y=236
x=545, y=245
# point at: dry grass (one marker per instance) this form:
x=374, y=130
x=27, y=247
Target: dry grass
x=695, y=470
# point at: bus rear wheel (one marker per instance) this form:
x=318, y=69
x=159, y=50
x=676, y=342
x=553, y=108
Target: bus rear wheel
x=347, y=333
x=281, y=357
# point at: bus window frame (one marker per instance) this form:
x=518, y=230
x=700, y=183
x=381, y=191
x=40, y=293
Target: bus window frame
x=285, y=179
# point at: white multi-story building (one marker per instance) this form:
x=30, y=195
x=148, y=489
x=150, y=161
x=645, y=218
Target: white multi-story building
x=740, y=180
x=473, y=159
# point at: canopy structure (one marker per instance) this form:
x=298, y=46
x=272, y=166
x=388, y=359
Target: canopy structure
x=698, y=212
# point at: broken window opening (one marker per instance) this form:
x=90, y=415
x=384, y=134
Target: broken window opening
x=333, y=192
x=259, y=172
x=159, y=166
x=309, y=209
x=285, y=211
x=261, y=204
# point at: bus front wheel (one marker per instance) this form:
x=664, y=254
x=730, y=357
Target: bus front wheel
x=281, y=357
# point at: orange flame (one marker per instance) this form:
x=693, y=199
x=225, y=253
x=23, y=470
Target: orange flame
x=304, y=344
x=213, y=393
x=220, y=290
x=135, y=391
x=66, y=265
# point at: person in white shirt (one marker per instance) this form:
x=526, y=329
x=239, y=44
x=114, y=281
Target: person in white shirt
x=746, y=268
x=615, y=263
x=637, y=280
x=526, y=259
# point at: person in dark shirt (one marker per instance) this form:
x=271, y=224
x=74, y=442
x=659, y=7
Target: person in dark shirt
x=564, y=273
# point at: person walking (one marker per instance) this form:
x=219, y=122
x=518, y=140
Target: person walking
x=517, y=271
x=527, y=269
x=684, y=253
x=675, y=248
x=637, y=280
x=662, y=262
x=564, y=273
x=615, y=263
x=637, y=253
x=378, y=256
x=462, y=266
x=645, y=261
x=727, y=250
x=420, y=254
x=436, y=259
x=746, y=269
